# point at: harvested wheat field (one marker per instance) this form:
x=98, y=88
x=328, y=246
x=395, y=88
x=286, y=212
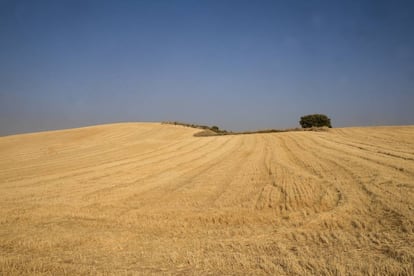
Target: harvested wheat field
x=147, y=198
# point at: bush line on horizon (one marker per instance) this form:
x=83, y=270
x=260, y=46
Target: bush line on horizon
x=216, y=131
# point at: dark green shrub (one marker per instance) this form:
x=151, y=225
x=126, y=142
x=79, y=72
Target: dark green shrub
x=315, y=120
x=215, y=128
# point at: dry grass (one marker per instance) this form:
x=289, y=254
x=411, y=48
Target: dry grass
x=151, y=198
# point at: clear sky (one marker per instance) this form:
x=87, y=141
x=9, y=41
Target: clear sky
x=241, y=65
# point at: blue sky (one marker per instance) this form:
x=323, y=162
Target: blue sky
x=241, y=65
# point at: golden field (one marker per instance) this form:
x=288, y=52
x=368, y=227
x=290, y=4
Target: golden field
x=148, y=198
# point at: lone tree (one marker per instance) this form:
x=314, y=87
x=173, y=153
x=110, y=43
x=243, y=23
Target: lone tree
x=315, y=120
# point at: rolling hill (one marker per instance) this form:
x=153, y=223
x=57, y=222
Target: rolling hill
x=142, y=198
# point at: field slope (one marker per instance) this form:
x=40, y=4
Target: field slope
x=142, y=198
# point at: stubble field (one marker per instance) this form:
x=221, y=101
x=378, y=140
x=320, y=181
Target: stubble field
x=147, y=198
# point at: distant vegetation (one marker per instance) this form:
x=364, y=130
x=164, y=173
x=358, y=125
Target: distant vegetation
x=215, y=130
x=315, y=120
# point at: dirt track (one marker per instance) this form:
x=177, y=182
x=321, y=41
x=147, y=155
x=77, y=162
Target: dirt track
x=151, y=198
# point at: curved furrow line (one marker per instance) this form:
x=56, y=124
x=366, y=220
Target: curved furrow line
x=120, y=150
x=202, y=186
x=374, y=146
x=152, y=159
x=271, y=195
x=230, y=179
x=381, y=161
x=160, y=171
x=295, y=160
x=253, y=186
x=369, y=148
x=106, y=166
x=244, y=189
x=80, y=181
x=69, y=144
x=166, y=186
x=169, y=157
x=87, y=155
x=327, y=194
x=395, y=193
x=249, y=182
x=396, y=146
x=377, y=203
x=372, y=137
x=307, y=189
x=83, y=157
x=287, y=184
x=225, y=150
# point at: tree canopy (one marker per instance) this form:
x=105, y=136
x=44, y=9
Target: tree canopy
x=315, y=120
